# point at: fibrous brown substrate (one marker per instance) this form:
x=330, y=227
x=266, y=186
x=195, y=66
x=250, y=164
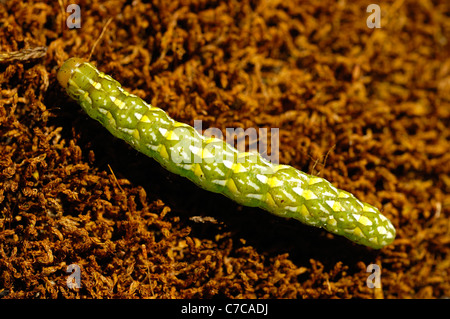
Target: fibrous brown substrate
x=367, y=109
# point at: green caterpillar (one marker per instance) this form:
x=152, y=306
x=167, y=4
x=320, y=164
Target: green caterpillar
x=214, y=165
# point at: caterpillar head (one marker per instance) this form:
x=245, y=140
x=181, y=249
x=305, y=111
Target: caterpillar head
x=67, y=69
x=77, y=76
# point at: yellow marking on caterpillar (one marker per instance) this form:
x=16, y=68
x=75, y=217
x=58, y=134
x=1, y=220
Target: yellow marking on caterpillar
x=331, y=221
x=198, y=170
x=365, y=221
x=337, y=207
x=314, y=180
x=96, y=85
x=357, y=231
x=176, y=124
x=124, y=92
x=238, y=168
x=87, y=97
x=368, y=209
x=163, y=152
x=274, y=182
x=343, y=195
x=136, y=134
x=145, y=119
x=120, y=104
x=111, y=118
x=270, y=201
x=307, y=194
x=172, y=136
x=232, y=186
x=305, y=212
x=209, y=139
x=243, y=154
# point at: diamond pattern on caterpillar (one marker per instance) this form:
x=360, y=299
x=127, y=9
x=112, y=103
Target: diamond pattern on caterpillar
x=214, y=165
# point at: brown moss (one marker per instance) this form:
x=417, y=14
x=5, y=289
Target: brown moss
x=367, y=109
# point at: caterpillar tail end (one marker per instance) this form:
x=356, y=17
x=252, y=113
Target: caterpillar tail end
x=66, y=70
